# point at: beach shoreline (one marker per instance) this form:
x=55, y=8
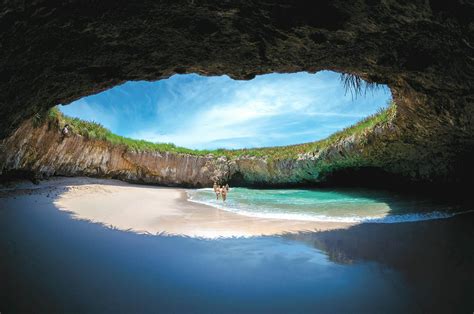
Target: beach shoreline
x=157, y=210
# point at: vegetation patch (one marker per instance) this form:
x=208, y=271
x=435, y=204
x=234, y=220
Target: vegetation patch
x=96, y=131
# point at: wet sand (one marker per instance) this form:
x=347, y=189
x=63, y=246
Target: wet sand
x=160, y=210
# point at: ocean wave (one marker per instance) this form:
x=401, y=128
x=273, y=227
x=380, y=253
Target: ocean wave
x=389, y=219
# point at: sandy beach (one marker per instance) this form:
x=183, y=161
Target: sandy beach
x=156, y=210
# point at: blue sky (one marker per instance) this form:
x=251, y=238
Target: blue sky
x=218, y=112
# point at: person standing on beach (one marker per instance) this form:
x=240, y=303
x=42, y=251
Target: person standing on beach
x=224, y=193
x=216, y=190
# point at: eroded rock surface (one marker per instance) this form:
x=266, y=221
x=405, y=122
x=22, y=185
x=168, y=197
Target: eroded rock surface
x=42, y=151
x=57, y=51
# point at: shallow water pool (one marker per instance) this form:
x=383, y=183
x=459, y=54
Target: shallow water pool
x=341, y=205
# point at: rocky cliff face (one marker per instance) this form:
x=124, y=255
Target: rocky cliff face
x=41, y=151
x=57, y=51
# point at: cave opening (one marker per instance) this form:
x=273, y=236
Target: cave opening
x=303, y=224
x=217, y=112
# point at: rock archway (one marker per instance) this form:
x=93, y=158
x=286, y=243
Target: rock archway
x=58, y=51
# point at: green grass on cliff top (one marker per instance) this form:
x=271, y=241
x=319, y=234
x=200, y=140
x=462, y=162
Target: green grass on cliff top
x=93, y=130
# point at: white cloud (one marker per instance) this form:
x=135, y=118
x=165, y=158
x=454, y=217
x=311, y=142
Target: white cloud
x=199, y=112
x=91, y=112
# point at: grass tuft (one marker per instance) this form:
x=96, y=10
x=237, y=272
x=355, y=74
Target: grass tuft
x=355, y=85
x=94, y=130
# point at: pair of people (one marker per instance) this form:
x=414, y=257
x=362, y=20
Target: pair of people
x=221, y=191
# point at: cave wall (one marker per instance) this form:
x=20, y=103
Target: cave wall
x=58, y=51
x=40, y=151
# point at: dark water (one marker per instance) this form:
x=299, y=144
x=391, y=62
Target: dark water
x=52, y=263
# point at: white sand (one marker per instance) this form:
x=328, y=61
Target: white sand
x=149, y=209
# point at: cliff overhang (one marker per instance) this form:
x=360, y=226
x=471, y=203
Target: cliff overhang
x=58, y=51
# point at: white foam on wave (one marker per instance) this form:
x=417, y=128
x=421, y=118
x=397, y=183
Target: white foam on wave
x=389, y=219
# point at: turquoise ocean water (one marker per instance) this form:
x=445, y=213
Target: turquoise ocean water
x=341, y=205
